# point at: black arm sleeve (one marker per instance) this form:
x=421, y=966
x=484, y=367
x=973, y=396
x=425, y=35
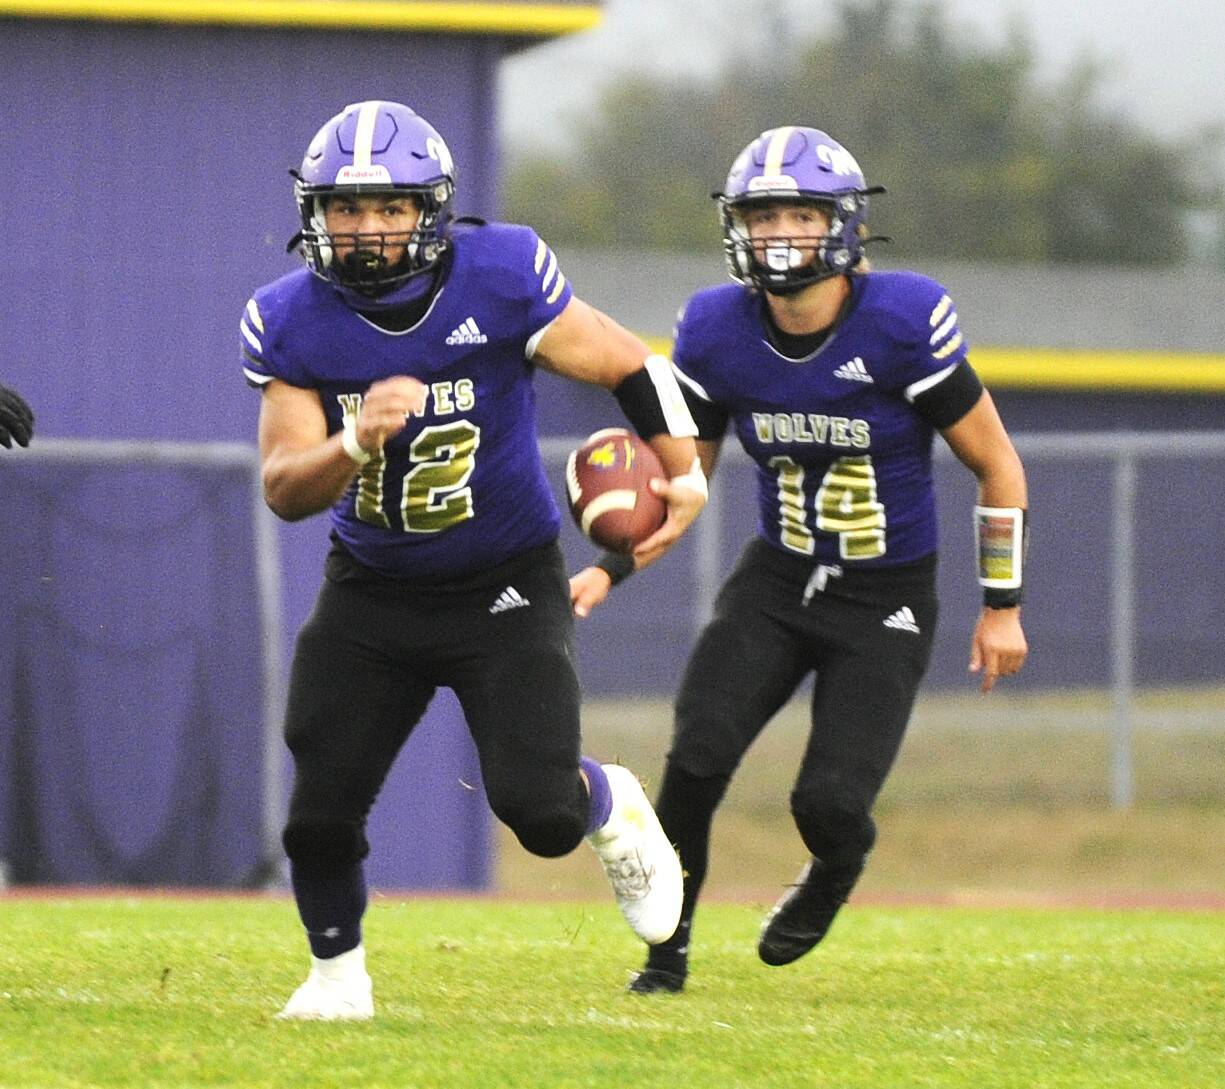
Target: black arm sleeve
x=638, y=400
x=950, y=399
x=710, y=418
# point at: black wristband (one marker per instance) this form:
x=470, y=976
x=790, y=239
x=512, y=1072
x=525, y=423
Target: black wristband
x=617, y=565
x=1001, y=599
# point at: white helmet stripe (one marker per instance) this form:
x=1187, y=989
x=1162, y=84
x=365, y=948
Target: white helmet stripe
x=776, y=150
x=363, y=142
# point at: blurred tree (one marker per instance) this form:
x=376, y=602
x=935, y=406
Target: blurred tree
x=981, y=161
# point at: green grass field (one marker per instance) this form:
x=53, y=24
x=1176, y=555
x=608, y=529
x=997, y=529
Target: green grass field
x=178, y=993
x=994, y=802
x=999, y=797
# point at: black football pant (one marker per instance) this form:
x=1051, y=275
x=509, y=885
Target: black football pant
x=366, y=666
x=777, y=620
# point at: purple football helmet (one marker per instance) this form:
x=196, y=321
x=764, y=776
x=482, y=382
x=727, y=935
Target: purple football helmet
x=376, y=147
x=794, y=164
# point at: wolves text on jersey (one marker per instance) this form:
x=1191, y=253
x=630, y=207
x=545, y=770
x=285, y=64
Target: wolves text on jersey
x=814, y=427
x=442, y=399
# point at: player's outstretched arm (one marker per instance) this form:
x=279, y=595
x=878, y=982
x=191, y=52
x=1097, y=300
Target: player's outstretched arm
x=998, y=647
x=588, y=346
x=16, y=419
x=304, y=470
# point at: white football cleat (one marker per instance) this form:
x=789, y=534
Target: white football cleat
x=337, y=989
x=638, y=858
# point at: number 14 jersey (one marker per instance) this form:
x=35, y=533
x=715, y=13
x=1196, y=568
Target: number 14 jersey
x=843, y=458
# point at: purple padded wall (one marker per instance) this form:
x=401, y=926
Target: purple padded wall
x=130, y=676
x=152, y=198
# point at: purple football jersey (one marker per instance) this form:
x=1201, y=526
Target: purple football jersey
x=843, y=460
x=462, y=487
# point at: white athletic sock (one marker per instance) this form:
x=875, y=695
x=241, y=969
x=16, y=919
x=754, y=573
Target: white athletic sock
x=349, y=965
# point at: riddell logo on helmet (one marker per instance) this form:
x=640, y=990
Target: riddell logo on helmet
x=356, y=175
x=772, y=181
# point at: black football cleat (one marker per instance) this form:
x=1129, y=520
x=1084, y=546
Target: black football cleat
x=657, y=981
x=805, y=913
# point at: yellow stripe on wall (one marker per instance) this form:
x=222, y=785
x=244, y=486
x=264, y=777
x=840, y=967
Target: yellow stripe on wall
x=1041, y=369
x=1063, y=368
x=385, y=15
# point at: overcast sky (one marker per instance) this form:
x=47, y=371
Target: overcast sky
x=1164, y=59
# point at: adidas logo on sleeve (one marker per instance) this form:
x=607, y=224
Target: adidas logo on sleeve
x=467, y=332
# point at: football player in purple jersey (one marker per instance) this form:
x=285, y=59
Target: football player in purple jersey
x=16, y=419
x=396, y=376
x=835, y=379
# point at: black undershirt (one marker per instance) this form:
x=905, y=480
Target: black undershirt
x=799, y=346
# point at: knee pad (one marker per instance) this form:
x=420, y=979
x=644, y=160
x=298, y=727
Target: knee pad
x=836, y=829
x=323, y=844
x=707, y=743
x=547, y=834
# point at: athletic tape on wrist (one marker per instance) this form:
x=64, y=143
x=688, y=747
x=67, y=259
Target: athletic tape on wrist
x=348, y=439
x=695, y=480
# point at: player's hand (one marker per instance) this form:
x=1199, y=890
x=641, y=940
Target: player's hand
x=16, y=419
x=588, y=588
x=386, y=408
x=998, y=648
x=684, y=505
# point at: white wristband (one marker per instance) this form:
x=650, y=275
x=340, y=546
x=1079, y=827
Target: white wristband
x=348, y=439
x=694, y=480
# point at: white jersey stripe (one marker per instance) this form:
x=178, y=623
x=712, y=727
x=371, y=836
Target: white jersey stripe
x=948, y=349
x=541, y=250
x=556, y=292
x=549, y=272
x=683, y=377
x=250, y=337
x=533, y=342
x=942, y=308
x=924, y=384
x=253, y=314
x=256, y=377
x=950, y=323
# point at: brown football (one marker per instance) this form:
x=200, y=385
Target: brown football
x=607, y=480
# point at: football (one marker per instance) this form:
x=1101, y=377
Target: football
x=607, y=481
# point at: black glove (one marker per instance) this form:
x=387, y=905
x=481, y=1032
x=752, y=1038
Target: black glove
x=16, y=419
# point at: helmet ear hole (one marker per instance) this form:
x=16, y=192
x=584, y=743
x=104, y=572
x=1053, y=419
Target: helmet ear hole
x=318, y=222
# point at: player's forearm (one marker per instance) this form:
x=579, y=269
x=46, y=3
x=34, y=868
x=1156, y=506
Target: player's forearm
x=299, y=483
x=1001, y=480
x=676, y=455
